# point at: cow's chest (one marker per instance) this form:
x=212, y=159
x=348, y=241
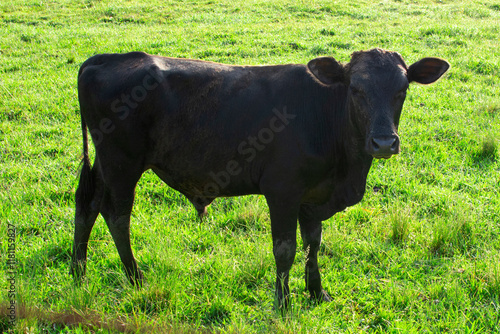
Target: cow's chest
x=337, y=192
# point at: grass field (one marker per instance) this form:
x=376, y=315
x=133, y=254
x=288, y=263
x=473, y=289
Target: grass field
x=420, y=253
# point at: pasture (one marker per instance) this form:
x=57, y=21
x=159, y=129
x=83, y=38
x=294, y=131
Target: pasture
x=420, y=253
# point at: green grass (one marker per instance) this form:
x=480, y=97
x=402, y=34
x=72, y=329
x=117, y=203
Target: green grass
x=420, y=253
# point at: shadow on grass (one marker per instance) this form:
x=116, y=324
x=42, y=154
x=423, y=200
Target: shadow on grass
x=487, y=153
x=49, y=321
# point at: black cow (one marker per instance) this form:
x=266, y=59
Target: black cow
x=303, y=136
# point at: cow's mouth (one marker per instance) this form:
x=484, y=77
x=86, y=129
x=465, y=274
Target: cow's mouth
x=382, y=156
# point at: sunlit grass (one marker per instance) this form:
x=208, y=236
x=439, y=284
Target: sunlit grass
x=418, y=254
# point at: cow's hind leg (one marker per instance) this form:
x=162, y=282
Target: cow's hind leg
x=116, y=208
x=310, y=229
x=88, y=201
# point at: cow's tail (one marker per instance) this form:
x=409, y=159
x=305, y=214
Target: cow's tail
x=86, y=186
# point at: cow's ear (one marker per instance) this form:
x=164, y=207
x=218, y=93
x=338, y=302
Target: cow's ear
x=427, y=70
x=327, y=70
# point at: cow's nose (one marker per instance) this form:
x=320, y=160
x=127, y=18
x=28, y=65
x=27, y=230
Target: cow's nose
x=384, y=146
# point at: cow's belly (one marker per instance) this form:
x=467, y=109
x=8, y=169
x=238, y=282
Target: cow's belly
x=208, y=183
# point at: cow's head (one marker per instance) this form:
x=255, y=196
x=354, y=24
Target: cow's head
x=377, y=83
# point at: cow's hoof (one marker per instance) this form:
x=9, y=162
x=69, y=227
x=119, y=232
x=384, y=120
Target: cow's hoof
x=77, y=271
x=321, y=296
x=137, y=279
x=282, y=305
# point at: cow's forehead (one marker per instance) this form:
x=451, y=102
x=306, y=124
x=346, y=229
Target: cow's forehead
x=377, y=66
x=377, y=56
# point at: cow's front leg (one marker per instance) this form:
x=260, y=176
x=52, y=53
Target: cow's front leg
x=284, y=248
x=311, y=238
x=284, y=230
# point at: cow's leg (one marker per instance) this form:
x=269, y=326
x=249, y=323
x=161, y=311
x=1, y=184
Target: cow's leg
x=88, y=201
x=116, y=209
x=284, y=230
x=120, y=177
x=310, y=229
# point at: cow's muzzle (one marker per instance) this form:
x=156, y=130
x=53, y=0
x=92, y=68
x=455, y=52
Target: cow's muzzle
x=383, y=147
